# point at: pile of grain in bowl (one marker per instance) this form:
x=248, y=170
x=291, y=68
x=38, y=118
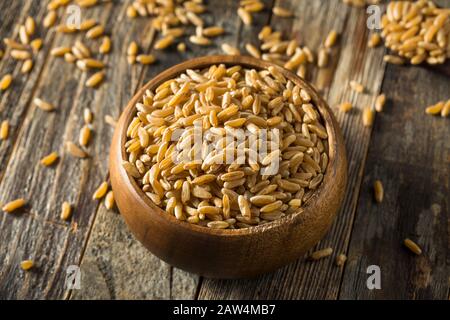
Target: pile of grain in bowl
x=227, y=147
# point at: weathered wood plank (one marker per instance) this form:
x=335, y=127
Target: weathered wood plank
x=14, y=102
x=409, y=153
x=113, y=256
x=351, y=61
x=72, y=180
x=48, y=244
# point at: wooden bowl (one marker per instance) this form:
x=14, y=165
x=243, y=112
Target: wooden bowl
x=238, y=253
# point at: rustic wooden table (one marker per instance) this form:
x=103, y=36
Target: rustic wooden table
x=407, y=150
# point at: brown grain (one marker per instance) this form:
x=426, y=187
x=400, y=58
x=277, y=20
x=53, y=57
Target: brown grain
x=66, y=211
x=317, y=255
x=4, y=130
x=412, y=246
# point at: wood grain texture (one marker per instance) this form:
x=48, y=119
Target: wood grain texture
x=351, y=60
x=410, y=153
x=72, y=179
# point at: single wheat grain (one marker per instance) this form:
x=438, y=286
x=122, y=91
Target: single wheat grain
x=100, y=192
x=109, y=200
x=105, y=47
x=380, y=102
x=5, y=82
x=345, y=106
x=317, y=255
x=282, y=12
x=341, y=259
x=378, y=191
x=95, y=79
x=26, y=265
x=411, y=245
x=14, y=205
x=368, y=117
x=66, y=211
x=41, y=104
x=75, y=151
x=49, y=159
x=4, y=130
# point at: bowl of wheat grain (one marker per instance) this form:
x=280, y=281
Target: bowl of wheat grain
x=228, y=166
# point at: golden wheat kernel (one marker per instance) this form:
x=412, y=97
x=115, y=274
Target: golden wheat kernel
x=213, y=31
x=26, y=265
x=411, y=245
x=378, y=191
x=181, y=47
x=60, y=51
x=131, y=12
x=245, y=16
x=322, y=58
x=66, y=211
x=321, y=254
x=87, y=116
x=23, y=35
x=101, y=191
x=356, y=86
x=75, y=151
x=282, y=12
x=27, y=66
x=331, y=39
x=13, y=44
x=87, y=3
x=145, y=59
x=62, y=28
x=230, y=50
x=5, y=82
x=69, y=57
x=109, y=200
x=50, y=19
x=345, y=106
x=200, y=40
x=85, y=135
x=43, y=105
x=374, y=41
x=131, y=60
x=435, y=109
x=105, y=47
x=253, y=50
x=30, y=26
x=132, y=49
x=393, y=59
x=95, y=32
x=87, y=24
x=368, y=117
x=49, y=159
x=36, y=45
x=380, y=102
x=20, y=54
x=95, y=79
x=445, y=112
x=4, y=130
x=14, y=205
x=164, y=42
x=110, y=120
x=341, y=259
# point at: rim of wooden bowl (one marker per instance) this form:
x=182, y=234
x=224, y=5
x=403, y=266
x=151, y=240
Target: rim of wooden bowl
x=250, y=62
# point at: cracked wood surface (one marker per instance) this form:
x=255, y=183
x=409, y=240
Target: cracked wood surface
x=408, y=151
